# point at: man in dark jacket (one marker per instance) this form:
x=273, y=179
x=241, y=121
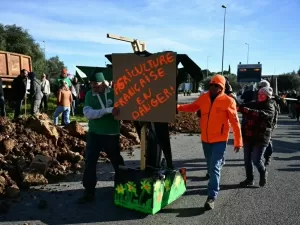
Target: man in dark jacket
x=2, y=100
x=36, y=93
x=19, y=88
x=249, y=94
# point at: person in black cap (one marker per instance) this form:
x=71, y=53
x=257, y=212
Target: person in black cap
x=36, y=93
x=103, y=132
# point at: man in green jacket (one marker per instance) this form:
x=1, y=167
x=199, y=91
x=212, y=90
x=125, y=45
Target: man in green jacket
x=103, y=132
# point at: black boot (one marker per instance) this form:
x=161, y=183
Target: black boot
x=207, y=176
x=263, y=178
x=86, y=198
x=209, y=204
x=247, y=183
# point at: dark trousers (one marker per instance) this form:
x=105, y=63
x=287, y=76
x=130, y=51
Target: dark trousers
x=297, y=113
x=44, y=103
x=269, y=151
x=2, y=107
x=253, y=155
x=18, y=108
x=110, y=144
x=35, y=106
x=74, y=106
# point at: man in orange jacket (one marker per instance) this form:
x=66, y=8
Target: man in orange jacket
x=218, y=112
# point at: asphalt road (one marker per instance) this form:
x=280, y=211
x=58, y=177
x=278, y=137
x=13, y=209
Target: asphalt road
x=275, y=204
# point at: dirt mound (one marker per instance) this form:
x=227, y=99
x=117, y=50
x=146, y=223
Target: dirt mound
x=32, y=150
x=185, y=123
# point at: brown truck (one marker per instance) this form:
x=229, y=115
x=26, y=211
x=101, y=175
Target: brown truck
x=10, y=66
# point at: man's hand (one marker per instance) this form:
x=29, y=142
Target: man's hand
x=237, y=149
x=115, y=111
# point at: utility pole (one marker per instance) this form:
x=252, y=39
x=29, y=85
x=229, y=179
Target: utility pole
x=247, y=53
x=224, y=7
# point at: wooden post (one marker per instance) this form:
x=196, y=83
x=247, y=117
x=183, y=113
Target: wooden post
x=143, y=148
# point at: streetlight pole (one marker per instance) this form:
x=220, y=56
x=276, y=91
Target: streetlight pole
x=224, y=7
x=247, y=53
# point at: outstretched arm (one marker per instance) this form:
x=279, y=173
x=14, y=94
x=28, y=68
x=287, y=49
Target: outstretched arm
x=193, y=107
x=235, y=124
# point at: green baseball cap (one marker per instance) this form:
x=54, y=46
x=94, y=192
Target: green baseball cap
x=97, y=77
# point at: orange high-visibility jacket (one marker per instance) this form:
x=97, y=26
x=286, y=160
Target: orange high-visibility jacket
x=216, y=117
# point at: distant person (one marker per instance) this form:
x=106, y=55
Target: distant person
x=46, y=93
x=36, y=94
x=64, y=102
x=218, y=114
x=103, y=133
x=63, y=77
x=297, y=105
x=257, y=127
x=249, y=94
x=2, y=100
x=75, y=94
x=19, y=89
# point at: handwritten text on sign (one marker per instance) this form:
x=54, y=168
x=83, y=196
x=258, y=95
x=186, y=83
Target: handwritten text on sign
x=144, y=87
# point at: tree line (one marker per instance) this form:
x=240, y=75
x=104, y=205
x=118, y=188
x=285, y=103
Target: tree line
x=15, y=39
x=285, y=82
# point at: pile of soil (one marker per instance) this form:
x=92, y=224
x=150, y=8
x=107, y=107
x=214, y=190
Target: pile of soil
x=185, y=123
x=33, y=150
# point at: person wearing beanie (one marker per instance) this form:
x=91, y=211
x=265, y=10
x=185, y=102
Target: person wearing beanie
x=218, y=114
x=103, y=132
x=257, y=126
x=264, y=85
x=36, y=93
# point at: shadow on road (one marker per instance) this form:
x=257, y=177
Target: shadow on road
x=287, y=159
x=186, y=212
x=285, y=146
x=60, y=208
x=293, y=167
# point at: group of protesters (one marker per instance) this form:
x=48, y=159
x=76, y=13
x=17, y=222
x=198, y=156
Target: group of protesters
x=288, y=101
x=69, y=93
x=218, y=111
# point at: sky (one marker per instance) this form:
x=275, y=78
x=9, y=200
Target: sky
x=76, y=30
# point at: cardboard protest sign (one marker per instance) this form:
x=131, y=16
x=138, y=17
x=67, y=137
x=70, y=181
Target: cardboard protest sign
x=145, y=87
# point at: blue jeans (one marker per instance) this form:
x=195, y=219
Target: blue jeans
x=269, y=151
x=253, y=154
x=214, y=154
x=66, y=114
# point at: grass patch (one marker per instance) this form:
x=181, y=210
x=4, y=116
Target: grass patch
x=51, y=108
